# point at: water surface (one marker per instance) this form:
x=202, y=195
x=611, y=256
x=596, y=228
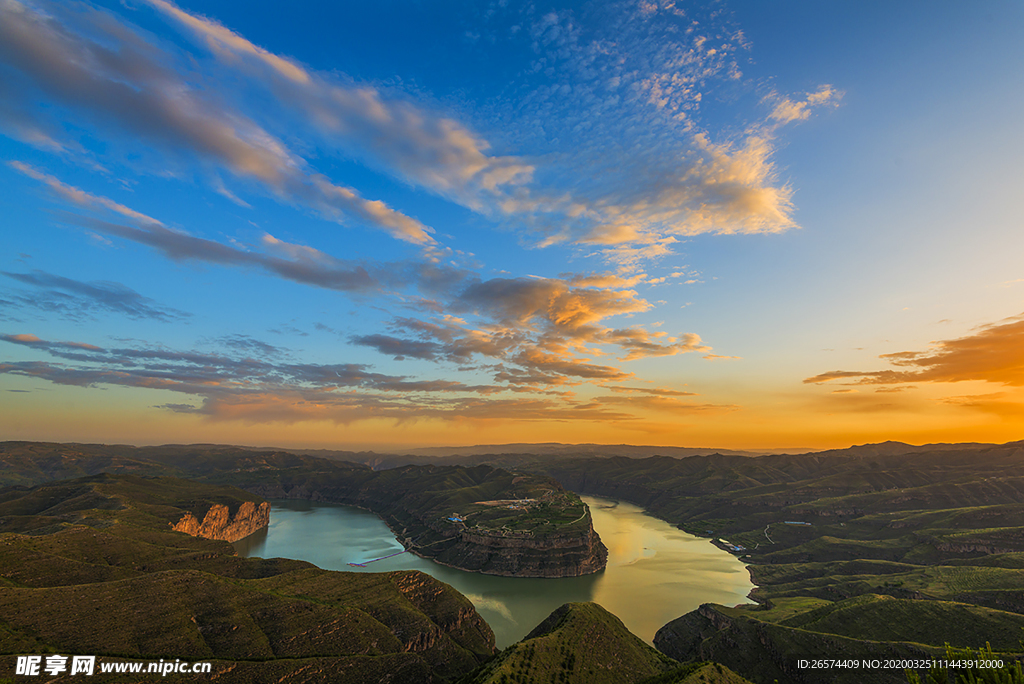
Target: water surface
x=655, y=572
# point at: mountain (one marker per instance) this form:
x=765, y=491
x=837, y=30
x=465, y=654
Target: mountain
x=879, y=552
x=480, y=518
x=582, y=643
x=555, y=448
x=92, y=566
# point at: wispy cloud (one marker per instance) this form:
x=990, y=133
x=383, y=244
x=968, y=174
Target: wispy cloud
x=74, y=298
x=992, y=354
x=229, y=387
x=608, y=150
x=786, y=110
x=541, y=331
x=138, y=87
x=393, y=134
x=618, y=108
x=1001, y=404
x=290, y=261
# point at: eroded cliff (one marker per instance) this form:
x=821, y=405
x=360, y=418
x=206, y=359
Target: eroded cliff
x=219, y=524
x=479, y=519
x=580, y=552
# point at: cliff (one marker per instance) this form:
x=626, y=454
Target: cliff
x=480, y=519
x=555, y=555
x=104, y=541
x=218, y=523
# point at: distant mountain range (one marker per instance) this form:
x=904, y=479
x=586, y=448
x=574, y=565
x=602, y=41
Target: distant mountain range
x=522, y=454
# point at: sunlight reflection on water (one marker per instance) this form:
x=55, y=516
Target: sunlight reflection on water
x=655, y=572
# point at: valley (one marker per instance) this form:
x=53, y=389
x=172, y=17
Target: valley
x=869, y=553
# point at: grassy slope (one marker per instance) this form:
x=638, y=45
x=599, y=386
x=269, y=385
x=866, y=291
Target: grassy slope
x=102, y=574
x=418, y=499
x=935, y=623
x=933, y=529
x=578, y=643
x=940, y=534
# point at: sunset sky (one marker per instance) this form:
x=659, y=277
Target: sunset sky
x=397, y=224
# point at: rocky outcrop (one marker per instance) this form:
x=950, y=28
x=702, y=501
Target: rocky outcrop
x=218, y=523
x=411, y=501
x=554, y=555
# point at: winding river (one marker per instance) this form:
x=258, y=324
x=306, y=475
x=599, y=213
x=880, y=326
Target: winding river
x=655, y=572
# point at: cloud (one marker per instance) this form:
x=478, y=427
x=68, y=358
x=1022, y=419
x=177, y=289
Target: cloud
x=397, y=136
x=254, y=389
x=605, y=120
x=80, y=197
x=223, y=40
x=523, y=302
x=542, y=331
x=249, y=345
x=658, y=391
x=290, y=261
x=666, y=404
x=640, y=343
x=618, y=103
x=119, y=77
x=73, y=299
x=996, y=403
x=992, y=354
x=398, y=348
x=603, y=280
x=536, y=359
x=538, y=324
x=786, y=110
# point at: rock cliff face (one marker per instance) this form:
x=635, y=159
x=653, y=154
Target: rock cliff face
x=218, y=523
x=418, y=505
x=566, y=555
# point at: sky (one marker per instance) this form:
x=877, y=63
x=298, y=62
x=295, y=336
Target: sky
x=388, y=225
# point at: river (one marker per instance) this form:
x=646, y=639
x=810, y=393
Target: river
x=655, y=572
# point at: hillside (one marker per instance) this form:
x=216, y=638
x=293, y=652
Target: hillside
x=898, y=550
x=480, y=519
x=94, y=568
x=582, y=643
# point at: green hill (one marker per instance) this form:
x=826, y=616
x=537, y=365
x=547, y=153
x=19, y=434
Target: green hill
x=578, y=643
x=479, y=518
x=100, y=572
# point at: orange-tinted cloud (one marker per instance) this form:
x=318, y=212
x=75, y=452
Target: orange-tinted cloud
x=1001, y=404
x=995, y=353
x=539, y=324
x=232, y=387
x=663, y=404
x=658, y=391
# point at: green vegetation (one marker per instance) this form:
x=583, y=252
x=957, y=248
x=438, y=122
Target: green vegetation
x=579, y=643
x=698, y=673
x=94, y=568
x=417, y=502
x=1007, y=673
x=906, y=550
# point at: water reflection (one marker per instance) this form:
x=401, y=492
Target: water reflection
x=655, y=572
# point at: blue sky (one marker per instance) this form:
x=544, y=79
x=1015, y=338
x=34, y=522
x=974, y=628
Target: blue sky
x=398, y=223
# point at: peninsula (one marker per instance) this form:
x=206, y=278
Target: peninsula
x=479, y=519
